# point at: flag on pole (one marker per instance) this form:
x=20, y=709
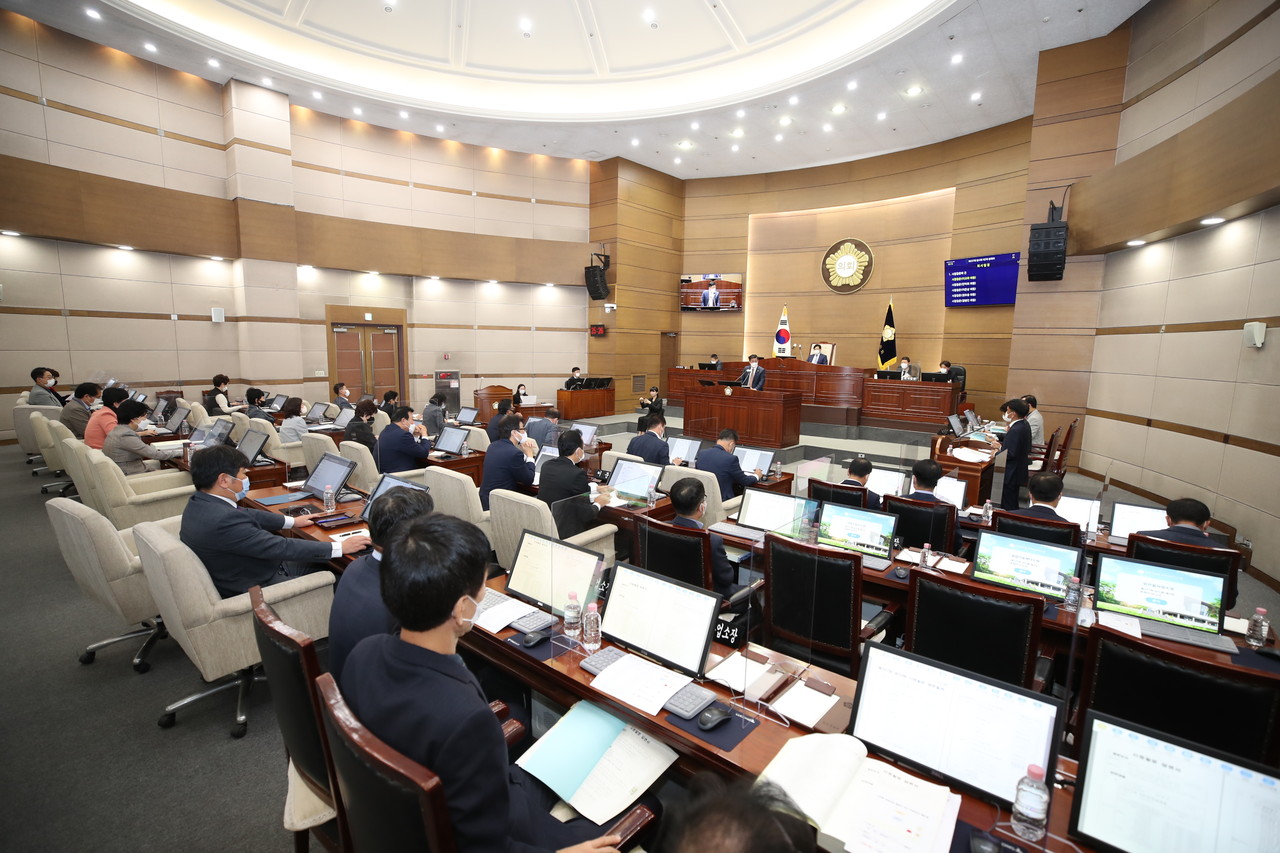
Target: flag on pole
x=888, y=344
x=782, y=337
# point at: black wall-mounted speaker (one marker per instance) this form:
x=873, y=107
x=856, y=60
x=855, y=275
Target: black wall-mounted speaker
x=596, y=285
x=1047, y=251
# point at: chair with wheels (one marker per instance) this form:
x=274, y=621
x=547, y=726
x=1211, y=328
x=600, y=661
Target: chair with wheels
x=26, y=435
x=45, y=431
x=314, y=447
x=290, y=453
x=365, y=476
x=457, y=494
x=241, y=425
x=512, y=513
x=717, y=510
x=128, y=500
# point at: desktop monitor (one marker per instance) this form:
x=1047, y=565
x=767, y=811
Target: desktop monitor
x=1082, y=511
x=140, y=396
x=546, y=570
x=364, y=397
x=179, y=415
x=868, y=532
x=344, y=417
x=451, y=439
x=888, y=374
x=317, y=411
x=685, y=449
x=547, y=451
x=389, y=481
x=962, y=728
x=958, y=426
x=1131, y=518
x=972, y=417
x=936, y=377
x=1025, y=564
x=708, y=365
x=467, y=415
x=951, y=490
x=588, y=432
x=1179, y=596
x=251, y=444
x=1141, y=791
x=754, y=459
x=331, y=470
x=885, y=482
x=664, y=619
x=215, y=434
x=786, y=515
x=278, y=401
x=634, y=479
x=157, y=410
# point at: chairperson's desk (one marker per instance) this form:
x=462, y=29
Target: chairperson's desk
x=761, y=418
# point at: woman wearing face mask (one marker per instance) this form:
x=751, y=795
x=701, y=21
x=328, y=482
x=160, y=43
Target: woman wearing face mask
x=361, y=426
x=215, y=399
x=123, y=446
x=652, y=405
x=518, y=397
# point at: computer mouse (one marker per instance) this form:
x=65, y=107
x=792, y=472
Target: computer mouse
x=1269, y=652
x=534, y=638
x=714, y=716
x=901, y=572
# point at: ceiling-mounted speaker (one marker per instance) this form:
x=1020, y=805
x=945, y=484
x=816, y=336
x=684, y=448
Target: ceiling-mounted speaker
x=596, y=285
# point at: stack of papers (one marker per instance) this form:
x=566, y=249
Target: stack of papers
x=804, y=705
x=970, y=454
x=737, y=671
x=640, y=683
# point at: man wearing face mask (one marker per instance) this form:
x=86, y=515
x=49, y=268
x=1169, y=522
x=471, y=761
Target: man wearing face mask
x=563, y=486
x=75, y=414
x=238, y=546
x=42, y=393
x=342, y=396
x=508, y=463
x=1017, y=447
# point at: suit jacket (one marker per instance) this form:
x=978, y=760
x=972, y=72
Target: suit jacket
x=722, y=574
x=433, y=419
x=757, y=382
x=293, y=429
x=239, y=547
x=573, y=383
x=75, y=417
x=1040, y=511
x=362, y=432
x=505, y=467
x=1183, y=534
x=491, y=427
x=431, y=708
x=1017, y=447
x=873, y=500
x=390, y=408
x=650, y=448
x=396, y=450
x=342, y=403
x=563, y=486
x=358, y=610
x=726, y=467
x=711, y=299
x=1035, y=420
x=126, y=448
x=38, y=396
x=913, y=370
x=543, y=430
x=259, y=413
x=818, y=358
x=100, y=423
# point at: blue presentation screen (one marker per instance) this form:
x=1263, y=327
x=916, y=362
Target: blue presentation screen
x=989, y=280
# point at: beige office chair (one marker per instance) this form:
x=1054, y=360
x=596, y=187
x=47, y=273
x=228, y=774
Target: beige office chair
x=511, y=514
x=717, y=509
x=457, y=494
x=198, y=416
x=332, y=411
x=22, y=398
x=314, y=447
x=365, y=477
x=217, y=633
x=105, y=565
x=290, y=453
x=127, y=501
x=381, y=420
x=477, y=438
x=77, y=454
x=241, y=426
x=610, y=458
x=47, y=433
x=26, y=435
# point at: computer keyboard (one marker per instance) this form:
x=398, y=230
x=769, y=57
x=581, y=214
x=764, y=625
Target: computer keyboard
x=1191, y=636
x=877, y=563
x=535, y=621
x=492, y=598
x=690, y=701
x=728, y=528
x=600, y=661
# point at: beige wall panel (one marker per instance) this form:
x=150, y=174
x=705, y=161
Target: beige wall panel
x=1030, y=351
x=315, y=152
x=362, y=136
x=206, y=335
x=1185, y=457
x=15, y=367
x=559, y=342
x=192, y=299
x=1261, y=366
x=189, y=90
x=76, y=259
x=176, y=154
x=117, y=334
x=560, y=316
x=446, y=151
x=1122, y=393
x=28, y=148
x=504, y=228
x=31, y=332
x=545, y=189
x=1126, y=354
x=1264, y=296
x=443, y=175
x=561, y=216
x=190, y=182
x=1251, y=478
x=22, y=117
x=1139, y=266
x=1058, y=388
x=1116, y=440
x=1232, y=244
x=1214, y=296
x=520, y=185
x=31, y=289
x=375, y=163
x=1069, y=309
x=315, y=125
x=108, y=165
x=91, y=134
x=140, y=362
x=256, y=337
x=18, y=34
x=451, y=204
x=574, y=171
x=316, y=183
x=324, y=205
x=267, y=302
x=501, y=210
x=1133, y=306
x=376, y=193
x=1269, y=236
x=19, y=72
x=65, y=52
x=256, y=188
x=1200, y=355
x=1253, y=412
x=1202, y=403
x=1158, y=109
x=1074, y=137
x=105, y=294
x=558, y=233
x=1087, y=91
x=270, y=129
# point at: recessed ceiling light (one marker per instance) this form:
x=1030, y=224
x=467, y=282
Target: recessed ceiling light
x=267, y=81
x=827, y=127
x=736, y=133
x=684, y=144
x=215, y=257
x=435, y=278
x=678, y=161
x=693, y=125
x=317, y=96
x=404, y=114
x=976, y=96
x=741, y=113
x=526, y=27
x=851, y=85
x=374, y=272
x=213, y=63
x=10, y=233
x=551, y=284
x=93, y=13
x=649, y=16
x=1212, y=220
x=777, y=138
x=357, y=111
x=306, y=268
x=785, y=121
x=793, y=100
x=149, y=47
x=734, y=148
x=125, y=248
x=838, y=109
x=439, y=128
x=493, y=281
x=914, y=90
x=957, y=58
x=881, y=116
x=1136, y=243
x=635, y=141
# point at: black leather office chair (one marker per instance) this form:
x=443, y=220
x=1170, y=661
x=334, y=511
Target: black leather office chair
x=838, y=493
x=290, y=663
x=920, y=522
x=990, y=631
x=1186, y=695
x=1041, y=529
x=960, y=375
x=1221, y=561
x=679, y=553
x=813, y=604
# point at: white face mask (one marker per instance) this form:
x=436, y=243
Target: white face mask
x=346, y=393
x=520, y=437
x=51, y=383
x=1007, y=417
x=470, y=620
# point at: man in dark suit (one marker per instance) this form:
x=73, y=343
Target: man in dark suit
x=859, y=471
x=544, y=429
x=1017, y=449
x=564, y=487
x=753, y=374
x=390, y=402
x=711, y=296
x=358, y=610
x=816, y=355
x=925, y=475
x=651, y=445
x=508, y=462
x=719, y=460
x=504, y=406
x=238, y=546
x=342, y=396
x=575, y=380
x=402, y=444
x=715, y=362
x=75, y=414
x=1045, y=490
x=907, y=370
x=1188, y=521
x=689, y=498
x=414, y=692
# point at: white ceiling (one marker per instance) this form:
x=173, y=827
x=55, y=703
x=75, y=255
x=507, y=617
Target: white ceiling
x=790, y=83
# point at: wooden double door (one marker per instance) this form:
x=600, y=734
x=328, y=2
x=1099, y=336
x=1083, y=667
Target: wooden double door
x=369, y=358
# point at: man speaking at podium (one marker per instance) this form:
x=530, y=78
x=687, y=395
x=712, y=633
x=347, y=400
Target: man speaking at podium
x=753, y=374
x=711, y=296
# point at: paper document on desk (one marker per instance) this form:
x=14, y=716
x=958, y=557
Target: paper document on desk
x=804, y=705
x=737, y=671
x=640, y=683
x=970, y=454
x=864, y=803
x=1121, y=622
x=951, y=564
x=501, y=615
x=595, y=762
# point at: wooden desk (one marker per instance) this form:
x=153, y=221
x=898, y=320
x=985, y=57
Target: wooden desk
x=976, y=475
x=472, y=466
x=260, y=476
x=782, y=484
x=533, y=410
x=762, y=418
x=584, y=403
x=817, y=384
x=913, y=402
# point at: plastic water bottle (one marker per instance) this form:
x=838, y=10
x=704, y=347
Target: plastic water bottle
x=330, y=499
x=926, y=555
x=466, y=449
x=573, y=618
x=591, y=629
x=1071, y=601
x=986, y=512
x=1259, y=625
x=653, y=498
x=1031, y=805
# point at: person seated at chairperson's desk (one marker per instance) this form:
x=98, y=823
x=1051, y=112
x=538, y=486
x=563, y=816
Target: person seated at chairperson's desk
x=402, y=444
x=123, y=446
x=239, y=546
x=816, y=355
x=753, y=374
x=414, y=692
x=508, y=463
x=718, y=459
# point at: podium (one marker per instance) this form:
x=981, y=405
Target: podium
x=762, y=418
x=584, y=403
x=975, y=475
x=486, y=400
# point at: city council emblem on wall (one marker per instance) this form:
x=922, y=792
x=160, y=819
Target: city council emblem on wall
x=846, y=266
